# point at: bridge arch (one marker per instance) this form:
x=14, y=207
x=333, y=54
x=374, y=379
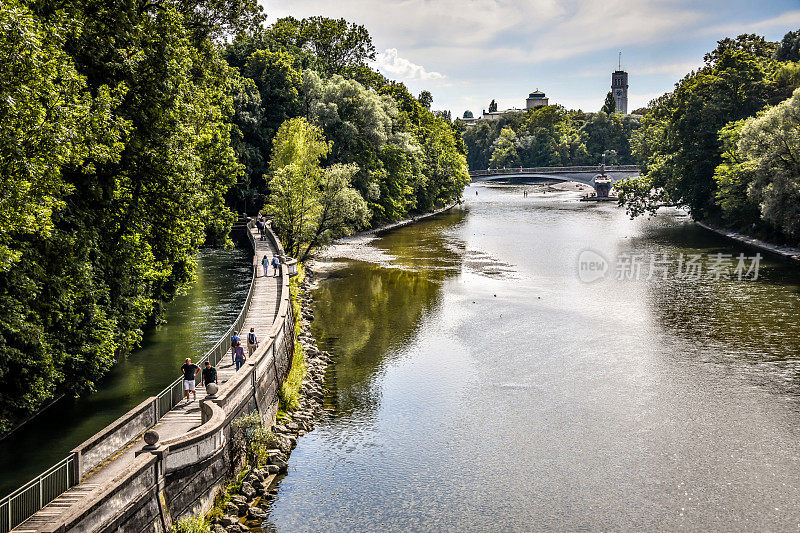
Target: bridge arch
x=584, y=175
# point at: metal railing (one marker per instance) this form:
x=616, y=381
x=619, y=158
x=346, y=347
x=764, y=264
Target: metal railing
x=26, y=500
x=173, y=393
x=31, y=497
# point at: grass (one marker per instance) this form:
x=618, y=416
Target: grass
x=192, y=524
x=223, y=497
x=289, y=393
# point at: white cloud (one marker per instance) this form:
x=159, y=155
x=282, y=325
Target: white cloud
x=677, y=70
x=788, y=21
x=396, y=67
x=567, y=48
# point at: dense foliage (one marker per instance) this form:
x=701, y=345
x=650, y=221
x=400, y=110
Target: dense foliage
x=132, y=132
x=551, y=136
x=385, y=145
x=717, y=145
x=116, y=155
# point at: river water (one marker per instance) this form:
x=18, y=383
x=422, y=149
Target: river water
x=194, y=323
x=481, y=385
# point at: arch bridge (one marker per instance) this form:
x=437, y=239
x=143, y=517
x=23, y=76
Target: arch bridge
x=585, y=175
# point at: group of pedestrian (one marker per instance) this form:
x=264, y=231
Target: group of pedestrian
x=190, y=371
x=209, y=373
x=275, y=262
x=262, y=224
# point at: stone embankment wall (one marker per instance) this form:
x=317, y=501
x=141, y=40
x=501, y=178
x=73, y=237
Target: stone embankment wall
x=180, y=476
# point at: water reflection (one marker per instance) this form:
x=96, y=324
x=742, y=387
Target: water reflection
x=384, y=307
x=481, y=385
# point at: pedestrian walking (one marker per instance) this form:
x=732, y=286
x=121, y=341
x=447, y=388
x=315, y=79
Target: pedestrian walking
x=189, y=370
x=234, y=341
x=276, y=265
x=209, y=374
x=238, y=355
x=265, y=263
x=252, y=342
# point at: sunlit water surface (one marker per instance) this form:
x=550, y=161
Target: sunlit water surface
x=480, y=385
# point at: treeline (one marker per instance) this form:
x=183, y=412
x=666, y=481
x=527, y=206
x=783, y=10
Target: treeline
x=725, y=142
x=390, y=153
x=132, y=133
x=551, y=136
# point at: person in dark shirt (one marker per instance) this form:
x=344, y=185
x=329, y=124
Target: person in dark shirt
x=209, y=374
x=189, y=370
x=234, y=340
x=238, y=355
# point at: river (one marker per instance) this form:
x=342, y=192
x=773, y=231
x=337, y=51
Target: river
x=482, y=384
x=194, y=322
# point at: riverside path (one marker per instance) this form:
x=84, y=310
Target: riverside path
x=181, y=419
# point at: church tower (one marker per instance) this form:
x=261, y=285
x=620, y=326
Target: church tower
x=619, y=88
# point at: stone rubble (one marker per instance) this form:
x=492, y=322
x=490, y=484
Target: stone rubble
x=244, y=507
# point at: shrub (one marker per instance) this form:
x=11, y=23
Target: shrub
x=193, y=524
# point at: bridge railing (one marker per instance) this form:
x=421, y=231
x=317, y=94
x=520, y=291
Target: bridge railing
x=31, y=497
x=551, y=170
x=49, y=485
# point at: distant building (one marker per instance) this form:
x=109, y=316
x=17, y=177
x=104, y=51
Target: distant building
x=536, y=99
x=619, y=88
x=494, y=115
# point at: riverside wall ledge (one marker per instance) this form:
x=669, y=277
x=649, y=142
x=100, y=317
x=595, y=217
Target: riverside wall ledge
x=181, y=475
x=401, y=223
x=788, y=252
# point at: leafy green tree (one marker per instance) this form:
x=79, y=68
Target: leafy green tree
x=678, y=145
x=762, y=169
x=610, y=105
x=139, y=159
x=505, y=153
x=734, y=176
x=492, y=106
x=49, y=121
x=330, y=46
x=425, y=99
x=753, y=45
x=277, y=86
x=468, y=114
x=789, y=47
x=309, y=204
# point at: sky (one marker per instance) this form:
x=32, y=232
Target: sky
x=468, y=52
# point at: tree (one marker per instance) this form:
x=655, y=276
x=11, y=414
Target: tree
x=268, y=95
x=135, y=157
x=610, y=105
x=764, y=168
x=749, y=43
x=468, y=114
x=679, y=146
x=310, y=204
x=492, y=106
x=504, y=153
x=425, y=99
x=46, y=116
x=330, y=46
x=789, y=47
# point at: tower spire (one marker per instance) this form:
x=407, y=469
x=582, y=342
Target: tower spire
x=619, y=65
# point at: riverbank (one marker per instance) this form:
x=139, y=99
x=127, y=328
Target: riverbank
x=399, y=224
x=242, y=505
x=788, y=252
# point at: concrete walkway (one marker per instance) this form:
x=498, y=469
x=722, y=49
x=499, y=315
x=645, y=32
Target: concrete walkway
x=183, y=417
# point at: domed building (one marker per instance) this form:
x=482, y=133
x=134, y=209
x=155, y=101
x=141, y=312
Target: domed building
x=536, y=99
